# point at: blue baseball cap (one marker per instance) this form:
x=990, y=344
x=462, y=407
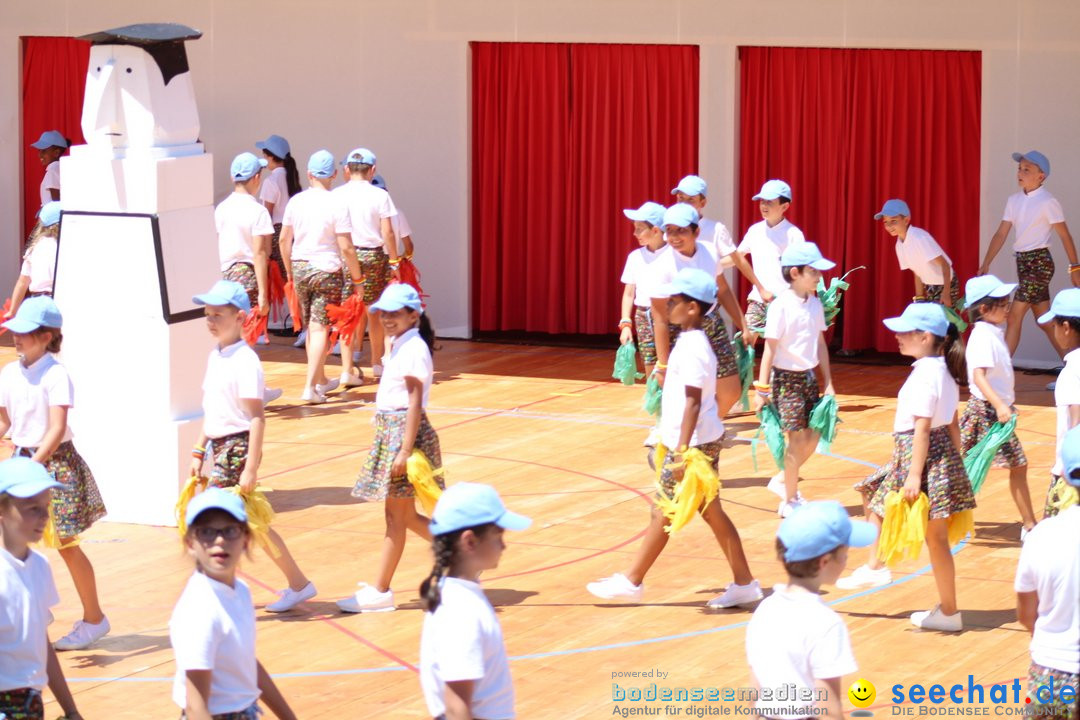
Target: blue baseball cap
x=805, y=253
x=692, y=282
x=691, y=185
x=466, y=505
x=1070, y=456
x=21, y=477
x=50, y=138
x=321, y=164
x=773, y=189
x=225, y=292
x=378, y=182
x=820, y=527
x=275, y=145
x=892, y=208
x=1035, y=158
x=925, y=317
x=215, y=498
x=360, y=155
x=398, y=295
x=681, y=214
x=984, y=286
x=33, y=313
x=246, y=166
x=650, y=212
x=1066, y=304
x=50, y=213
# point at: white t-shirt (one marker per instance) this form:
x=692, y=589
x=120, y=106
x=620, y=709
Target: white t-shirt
x=239, y=219
x=27, y=393
x=797, y=325
x=275, y=189
x=51, y=181
x=716, y=235
x=1050, y=566
x=40, y=264
x=794, y=637
x=917, y=252
x=409, y=357
x=1066, y=393
x=317, y=217
x=1032, y=214
x=986, y=349
x=367, y=206
x=27, y=592
x=765, y=245
x=636, y=272
x=232, y=375
x=929, y=391
x=400, y=225
x=692, y=364
x=213, y=628
x=462, y=640
x=669, y=262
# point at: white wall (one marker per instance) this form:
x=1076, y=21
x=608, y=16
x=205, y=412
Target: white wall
x=394, y=75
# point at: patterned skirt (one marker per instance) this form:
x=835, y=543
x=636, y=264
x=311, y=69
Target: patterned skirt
x=374, y=482
x=646, y=338
x=979, y=416
x=315, y=289
x=1034, y=271
x=375, y=267
x=716, y=331
x=795, y=393
x=21, y=704
x=756, y=312
x=933, y=293
x=230, y=453
x=944, y=479
x=77, y=505
x=1039, y=676
x=244, y=273
x=667, y=479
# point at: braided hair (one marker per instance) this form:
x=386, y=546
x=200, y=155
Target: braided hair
x=445, y=548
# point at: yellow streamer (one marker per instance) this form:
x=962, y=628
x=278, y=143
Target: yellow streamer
x=699, y=486
x=260, y=514
x=194, y=485
x=49, y=538
x=903, y=530
x=422, y=476
x=1062, y=495
x=960, y=525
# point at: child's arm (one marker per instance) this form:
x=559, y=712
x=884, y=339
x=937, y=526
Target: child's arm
x=832, y=704
x=729, y=303
x=18, y=293
x=54, y=435
x=946, y=278
x=412, y=424
x=348, y=254
x=1073, y=418
x=823, y=361
x=58, y=685
x=920, y=287
x=1004, y=412
x=261, y=262
x=626, y=334
x=661, y=336
x=272, y=696
x=740, y=261
x=995, y=246
x=458, y=699
x=5, y=421
x=285, y=241
x=766, y=370
x=408, y=243
x=954, y=433
x=197, y=704
x=920, y=447
x=197, y=462
x=690, y=416
x=1066, y=242
x=389, y=240
x=253, y=407
x=1027, y=609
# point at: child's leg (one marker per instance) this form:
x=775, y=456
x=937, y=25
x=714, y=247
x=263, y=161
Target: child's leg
x=318, y=334
x=285, y=562
x=728, y=537
x=800, y=446
x=941, y=559
x=419, y=524
x=728, y=391
x=1018, y=488
x=656, y=538
x=376, y=334
x=398, y=510
x=1014, y=324
x=873, y=562
x=82, y=575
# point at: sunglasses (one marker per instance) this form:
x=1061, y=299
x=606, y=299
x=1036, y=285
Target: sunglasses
x=208, y=534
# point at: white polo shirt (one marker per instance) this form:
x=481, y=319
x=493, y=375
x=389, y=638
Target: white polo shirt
x=27, y=393
x=409, y=356
x=367, y=206
x=917, y=252
x=213, y=628
x=1032, y=214
x=462, y=640
x=401, y=228
x=232, y=374
x=50, y=182
x=929, y=391
x=1066, y=393
x=275, y=189
x=715, y=233
x=1050, y=566
x=40, y=264
x=796, y=324
x=692, y=364
x=28, y=592
x=765, y=245
x=794, y=637
x=240, y=218
x=669, y=262
x=317, y=217
x=636, y=272
x=986, y=349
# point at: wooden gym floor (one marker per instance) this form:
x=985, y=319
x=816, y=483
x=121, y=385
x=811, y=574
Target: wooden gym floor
x=562, y=443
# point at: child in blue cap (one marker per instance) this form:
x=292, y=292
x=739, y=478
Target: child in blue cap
x=926, y=455
x=28, y=593
x=1063, y=319
x=38, y=269
x=50, y=146
x=919, y=252
x=282, y=182
x=35, y=396
x=244, y=231
x=1037, y=216
x=636, y=301
x=793, y=637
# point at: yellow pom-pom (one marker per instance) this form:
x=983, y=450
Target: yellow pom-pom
x=903, y=530
x=699, y=486
x=422, y=476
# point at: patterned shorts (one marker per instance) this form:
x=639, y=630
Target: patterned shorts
x=794, y=393
x=230, y=453
x=374, y=482
x=1039, y=676
x=244, y=273
x=716, y=331
x=1034, y=270
x=21, y=704
x=667, y=480
x=944, y=479
x=77, y=505
x=979, y=416
x=315, y=289
x=755, y=315
x=1059, y=495
x=375, y=267
x=646, y=339
x=932, y=293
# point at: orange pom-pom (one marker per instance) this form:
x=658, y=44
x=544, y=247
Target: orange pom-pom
x=254, y=327
x=275, y=292
x=345, y=319
x=294, y=305
x=410, y=275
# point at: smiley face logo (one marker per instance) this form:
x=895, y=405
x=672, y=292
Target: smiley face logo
x=862, y=693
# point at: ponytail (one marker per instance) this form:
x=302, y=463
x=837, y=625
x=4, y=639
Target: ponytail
x=292, y=175
x=427, y=332
x=952, y=347
x=445, y=547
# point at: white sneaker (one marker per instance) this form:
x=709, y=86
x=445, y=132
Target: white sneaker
x=83, y=635
x=313, y=396
x=301, y=340
x=352, y=379
x=865, y=576
x=616, y=587
x=654, y=437
x=289, y=598
x=328, y=387
x=367, y=599
x=376, y=371
x=737, y=595
x=271, y=394
x=776, y=485
x=937, y=620
x=1024, y=532
x=788, y=506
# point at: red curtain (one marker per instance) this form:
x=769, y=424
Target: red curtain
x=564, y=137
x=53, y=83
x=851, y=128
